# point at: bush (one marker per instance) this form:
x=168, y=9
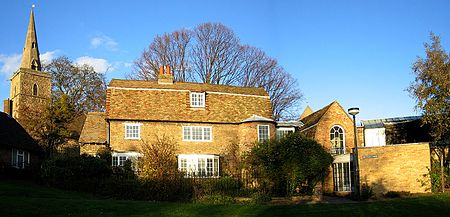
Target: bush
x=216, y=199
x=260, y=198
x=69, y=172
x=279, y=167
x=226, y=185
x=366, y=192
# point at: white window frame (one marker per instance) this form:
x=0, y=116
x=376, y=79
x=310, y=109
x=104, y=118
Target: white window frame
x=15, y=158
x=127, y=135
x=190, y=137
x=268, y=132
x=132, y=156
x=333, y=149
x=283, y=131
x=339, y=177
x=194, y=167
x=200, y=102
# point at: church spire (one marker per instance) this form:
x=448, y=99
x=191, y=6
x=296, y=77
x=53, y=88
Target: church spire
x=30, y=56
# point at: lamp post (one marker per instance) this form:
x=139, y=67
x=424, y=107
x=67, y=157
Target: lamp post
x=354, y=111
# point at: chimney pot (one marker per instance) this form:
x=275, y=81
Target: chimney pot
x=161, y=70
x=168, y=70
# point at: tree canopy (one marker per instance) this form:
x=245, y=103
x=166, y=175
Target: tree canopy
x=289, y=164
x=84, y=87
x=431, y=88
x=212, y=53
x=76, y=89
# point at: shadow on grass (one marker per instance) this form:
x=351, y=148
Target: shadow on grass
x=26, y=199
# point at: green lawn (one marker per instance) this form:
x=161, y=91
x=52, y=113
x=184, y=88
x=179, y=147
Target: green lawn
x=18, y=198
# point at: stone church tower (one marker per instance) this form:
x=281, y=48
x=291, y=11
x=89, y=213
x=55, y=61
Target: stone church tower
x=30, y=87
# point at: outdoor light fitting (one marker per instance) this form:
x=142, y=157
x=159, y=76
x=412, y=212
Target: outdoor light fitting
x=353, y=111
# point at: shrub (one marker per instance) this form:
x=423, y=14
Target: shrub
x=216, y=199
x=226, y=185
x=279, y=167
x=366, y=192
x=71, y=172
x=260, y=198
x=158, y=158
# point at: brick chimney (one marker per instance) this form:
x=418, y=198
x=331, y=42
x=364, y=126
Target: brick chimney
x=7, y=106
x=165, y=75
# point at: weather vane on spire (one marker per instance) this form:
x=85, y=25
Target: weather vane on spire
x=33, y=5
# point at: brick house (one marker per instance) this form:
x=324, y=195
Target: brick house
x=203, y=120
x=392, y=153
x=332, y=127
x=17, y=148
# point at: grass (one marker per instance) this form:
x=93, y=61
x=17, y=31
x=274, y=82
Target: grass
x=19, y=198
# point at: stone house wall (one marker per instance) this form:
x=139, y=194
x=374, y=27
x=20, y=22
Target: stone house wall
x=222, y=136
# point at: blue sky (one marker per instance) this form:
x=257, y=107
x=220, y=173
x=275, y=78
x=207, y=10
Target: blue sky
x=357, y=52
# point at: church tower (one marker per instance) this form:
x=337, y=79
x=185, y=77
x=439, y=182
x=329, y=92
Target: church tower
x=30, y=87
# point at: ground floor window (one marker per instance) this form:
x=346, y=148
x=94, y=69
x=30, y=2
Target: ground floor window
x=284, y=131
x=342, y=176
x=199, y=165
x=20, y=158
x=119, y=158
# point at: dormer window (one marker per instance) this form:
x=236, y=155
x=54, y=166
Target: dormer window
x=35, y=90
x=197, y=100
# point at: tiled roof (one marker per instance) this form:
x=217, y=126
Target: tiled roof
x=315, y=117
x=379, y=123
x=13, y=135
x=195, y=87
x=94, y=128
x=150, y=101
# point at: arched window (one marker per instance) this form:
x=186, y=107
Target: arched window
x=35, y=90
x=337, y=139
x=34, y=65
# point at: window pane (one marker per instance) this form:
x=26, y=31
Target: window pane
x=198, y=99
x=337, y=140
x=197, y=133
x=132, y=131
x=206, y=133
x=216, y=166
x=186, y=133
x=209, y=167
x=263, y=132
x=342, y=177
x=115, y=161
x=201, y=167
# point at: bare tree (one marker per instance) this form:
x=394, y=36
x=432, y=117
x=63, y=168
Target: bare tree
x=216, y=55
x=211, y=53
x=259, y=70
x=167, y=50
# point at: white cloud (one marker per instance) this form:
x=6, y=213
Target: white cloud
x=99, y=65
x=48, y=56
x=10, y=63
x=104, y=41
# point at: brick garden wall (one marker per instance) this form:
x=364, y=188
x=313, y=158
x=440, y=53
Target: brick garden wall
x=394, y=168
